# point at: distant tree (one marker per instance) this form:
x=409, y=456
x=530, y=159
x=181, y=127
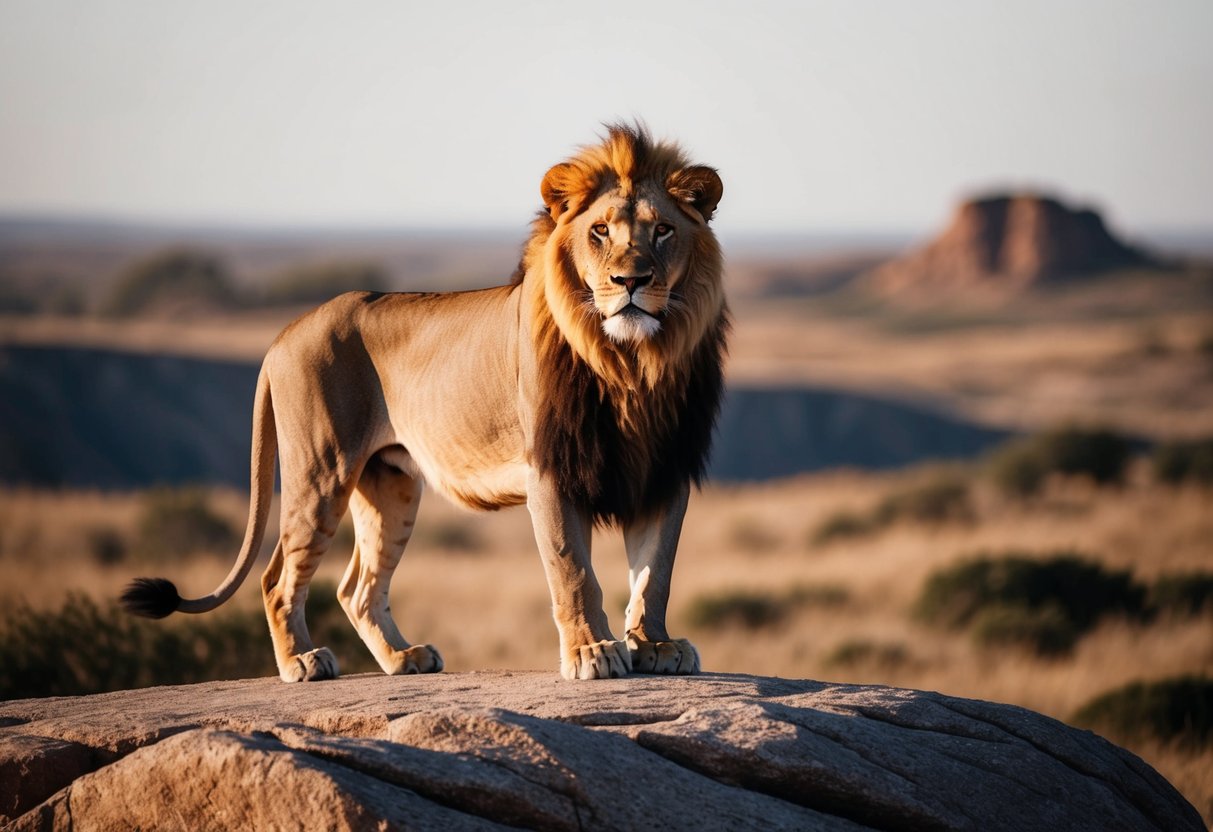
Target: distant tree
x=174, y=277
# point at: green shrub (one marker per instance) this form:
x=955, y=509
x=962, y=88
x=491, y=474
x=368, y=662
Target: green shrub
x=940, y=499
x=864, y=652
x=1177, y=462
x=937, y=500
x=843, y=525
x=752, y=609
x=182, y=522
x=107, y=545
x=85, y=647
x=316, y=283
x=1037, y=602
x=173, y=276
x=751, y=535
x=1046, y=630
x=738, y=608
x=1183, y=594
x=1176, y=710
x=451, y=535
x=1020, y=467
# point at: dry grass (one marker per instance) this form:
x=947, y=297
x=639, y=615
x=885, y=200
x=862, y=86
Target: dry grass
x=489, y=607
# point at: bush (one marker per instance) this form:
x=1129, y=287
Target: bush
x=1046, y=630
x=843, y=525
x=863, y=652
x=173, y=276
x=938, y=500
x=941, y=499
x=182, y=522
x=106, y=545
x=451, y=535
x=750, y=610
x=85, y=647
x=1035, y=602
x=1177, y=462
x=753, y=610
x=1020, y=467
x=750, y=535
x=316, y=283
x=1176, y=710
x=1183, y=594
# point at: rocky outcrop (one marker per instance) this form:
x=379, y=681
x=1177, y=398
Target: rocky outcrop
x=494, y=750
x=1009, y=242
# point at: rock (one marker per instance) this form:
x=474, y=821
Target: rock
x=496, y=750
x=1008, y=243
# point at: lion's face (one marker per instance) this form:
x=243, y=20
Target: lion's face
x=630, y=242
x=631, y=254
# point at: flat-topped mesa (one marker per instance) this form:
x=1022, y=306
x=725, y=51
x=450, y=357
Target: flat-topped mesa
x=1010, y=242
x=497, y=749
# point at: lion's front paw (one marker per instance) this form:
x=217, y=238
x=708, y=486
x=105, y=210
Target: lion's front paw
x=311, y=666
x=420, y=659
x=677, y=656
x=600, y=660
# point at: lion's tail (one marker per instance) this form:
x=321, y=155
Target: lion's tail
x=157, y=597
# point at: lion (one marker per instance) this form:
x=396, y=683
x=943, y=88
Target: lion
x=587, y=388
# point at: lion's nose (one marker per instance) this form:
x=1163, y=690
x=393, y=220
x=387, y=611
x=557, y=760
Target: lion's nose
x=631, y=283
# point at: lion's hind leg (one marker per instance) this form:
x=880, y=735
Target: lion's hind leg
x=384, y=506
x=284, y=587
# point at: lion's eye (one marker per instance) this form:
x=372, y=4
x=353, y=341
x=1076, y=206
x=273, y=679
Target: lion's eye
x=601, y=229
x=663, y=230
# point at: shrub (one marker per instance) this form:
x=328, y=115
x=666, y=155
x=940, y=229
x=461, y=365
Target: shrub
x=938, y=500
x=750, y=610
x=1177, y=462
x=1020, y=467
x=175, y=275
x=755, y=609
x=451, y=535
x=182, y=522
x=864, y=652
x=86, y=647
x=1046, y=630
x=1176, y=710
x=1036, y=602
x=843, y=525
x=316, y=283
x=941, y=499
x=106, y=545
x=751, y=535
x=1183, y=594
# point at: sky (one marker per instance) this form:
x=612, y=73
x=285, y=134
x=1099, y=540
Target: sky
x=848, y=116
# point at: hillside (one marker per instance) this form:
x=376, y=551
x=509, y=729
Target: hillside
x=108, y=419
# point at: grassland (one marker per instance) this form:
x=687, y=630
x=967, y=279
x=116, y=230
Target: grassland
x=839, y=609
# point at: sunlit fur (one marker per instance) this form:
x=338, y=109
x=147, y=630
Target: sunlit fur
x=497, y=397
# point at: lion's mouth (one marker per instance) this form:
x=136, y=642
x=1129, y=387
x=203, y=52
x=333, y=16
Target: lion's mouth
x=631, y=323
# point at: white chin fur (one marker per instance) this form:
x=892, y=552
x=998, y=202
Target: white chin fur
x=635, y=327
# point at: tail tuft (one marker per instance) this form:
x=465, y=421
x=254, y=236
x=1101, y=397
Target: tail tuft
x=150, y=597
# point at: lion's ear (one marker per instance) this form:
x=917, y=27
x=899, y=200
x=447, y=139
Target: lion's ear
x=697, y=187
x=560, y=185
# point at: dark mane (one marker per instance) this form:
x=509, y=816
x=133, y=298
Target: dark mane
x=620, y=454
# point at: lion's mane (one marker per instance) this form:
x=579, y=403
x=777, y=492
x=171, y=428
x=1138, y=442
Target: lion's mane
x=623, y=427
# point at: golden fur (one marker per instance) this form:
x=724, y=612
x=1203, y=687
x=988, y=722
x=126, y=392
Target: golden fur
x=587, y=389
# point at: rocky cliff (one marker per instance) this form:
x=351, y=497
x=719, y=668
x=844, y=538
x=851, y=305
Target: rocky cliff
x=1009, y=242
x=494, y=750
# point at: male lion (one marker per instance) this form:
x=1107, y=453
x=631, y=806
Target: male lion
x=587, y=389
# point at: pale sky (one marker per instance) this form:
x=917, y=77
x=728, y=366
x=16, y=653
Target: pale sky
x=821, y=116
